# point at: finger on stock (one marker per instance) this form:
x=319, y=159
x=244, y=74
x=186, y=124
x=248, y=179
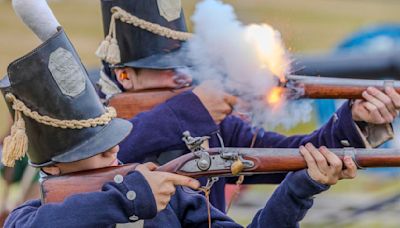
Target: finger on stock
x=318, y=157
x=375, y=107
x=183, y=181
x=311, y=163
x=381, y=101
x=350, y=168
x=226, y=109
x=231, y=100
x=392, y=93
x=375, y=116
x=333, y=160
x=143, y=168
x=151, y=166
x=360, y=110
x=384, y=98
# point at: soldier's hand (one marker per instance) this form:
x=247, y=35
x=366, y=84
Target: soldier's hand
x=218, y=103
x=377, y=107
x=325, y=167
x=163, y=184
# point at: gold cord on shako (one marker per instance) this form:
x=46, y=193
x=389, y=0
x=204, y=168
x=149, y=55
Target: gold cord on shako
x=16, y=144
x=109, y=50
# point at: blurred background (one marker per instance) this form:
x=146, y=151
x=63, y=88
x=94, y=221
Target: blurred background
x=307, y=26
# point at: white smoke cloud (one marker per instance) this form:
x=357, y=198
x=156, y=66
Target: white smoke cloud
x=224, y=49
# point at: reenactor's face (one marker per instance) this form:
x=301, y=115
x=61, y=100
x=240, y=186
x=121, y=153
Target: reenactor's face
x=105, y=159
x=141, y=79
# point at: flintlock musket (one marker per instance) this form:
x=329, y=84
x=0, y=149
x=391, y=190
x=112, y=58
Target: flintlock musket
x=213, y=163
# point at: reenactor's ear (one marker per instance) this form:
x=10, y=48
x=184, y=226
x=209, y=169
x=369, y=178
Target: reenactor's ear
x=124, y=78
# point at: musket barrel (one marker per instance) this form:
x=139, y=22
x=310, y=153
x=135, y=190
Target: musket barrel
x=272, y=160
x=290, y=159
x=370, y=158
x=350, y=65
x=334, y=88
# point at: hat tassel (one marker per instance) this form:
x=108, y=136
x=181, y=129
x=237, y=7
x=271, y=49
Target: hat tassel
x=113, y=53
x=109, y=49
x=103, y=48
x=16, y=144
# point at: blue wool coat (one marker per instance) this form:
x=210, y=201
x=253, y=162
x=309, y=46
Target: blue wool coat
x=112, y=206
x=159, y=132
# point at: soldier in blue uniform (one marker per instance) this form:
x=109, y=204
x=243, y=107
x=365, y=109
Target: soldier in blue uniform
x=57, y=110
x=148, y=59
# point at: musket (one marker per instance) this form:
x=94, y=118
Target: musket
x=213, y=163
x=129, y=104
x=372, y=65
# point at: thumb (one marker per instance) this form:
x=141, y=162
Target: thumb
x=231, y=100
x=143, y=168
x=151, y=166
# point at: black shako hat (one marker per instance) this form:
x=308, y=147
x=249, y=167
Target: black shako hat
x=143, y=33
x=49, y=92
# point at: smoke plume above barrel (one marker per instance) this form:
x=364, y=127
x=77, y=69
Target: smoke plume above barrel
x=247, y=61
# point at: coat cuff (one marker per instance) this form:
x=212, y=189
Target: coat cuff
x=361, y=134
x=302, y=186
x=374, y=135
x=191, y=114
x=139, y=196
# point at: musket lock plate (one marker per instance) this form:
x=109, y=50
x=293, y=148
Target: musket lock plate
x=195, y=145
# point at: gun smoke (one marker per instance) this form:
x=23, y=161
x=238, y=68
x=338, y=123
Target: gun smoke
x=245, y=60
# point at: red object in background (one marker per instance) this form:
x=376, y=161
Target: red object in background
x=230, y=191
x=3, y=217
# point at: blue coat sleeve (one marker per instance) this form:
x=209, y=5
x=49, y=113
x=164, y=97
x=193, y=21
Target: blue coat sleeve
x=340, y=127
x=98, y=209
x=290, y=202
x=286, y=207
x=161, y=128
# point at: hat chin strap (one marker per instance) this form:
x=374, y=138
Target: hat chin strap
x=109, y=50
x=16, y=144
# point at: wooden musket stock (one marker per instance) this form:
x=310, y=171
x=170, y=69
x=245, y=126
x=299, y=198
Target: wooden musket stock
x=264, y=160
x=128, y=105
x=334, y=88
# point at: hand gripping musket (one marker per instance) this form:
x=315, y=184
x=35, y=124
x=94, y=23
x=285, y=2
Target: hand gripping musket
x=211, y=163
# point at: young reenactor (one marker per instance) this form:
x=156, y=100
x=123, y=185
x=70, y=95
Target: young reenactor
x=149, y=58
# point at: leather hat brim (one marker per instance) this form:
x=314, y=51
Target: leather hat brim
x=111, y=135
x=162, y=61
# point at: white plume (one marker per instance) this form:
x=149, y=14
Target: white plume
x=37, y=15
